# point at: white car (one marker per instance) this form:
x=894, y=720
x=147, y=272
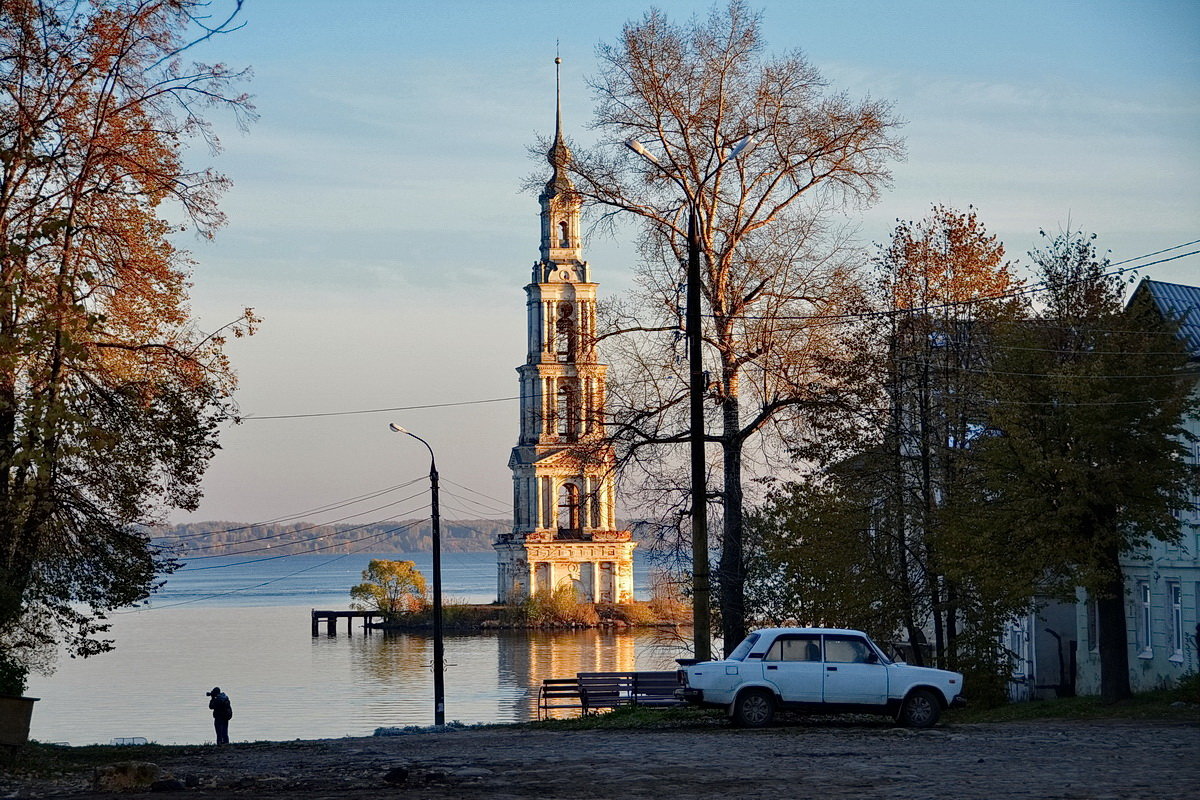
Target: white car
x=818, y=669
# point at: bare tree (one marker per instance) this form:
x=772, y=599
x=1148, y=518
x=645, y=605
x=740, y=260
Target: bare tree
x=774, y=258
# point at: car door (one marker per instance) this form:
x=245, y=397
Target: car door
x=852, y=671
x=793, y=665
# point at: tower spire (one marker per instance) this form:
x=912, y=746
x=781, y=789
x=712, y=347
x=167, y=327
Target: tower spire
x=559, y=155
x=557, y=98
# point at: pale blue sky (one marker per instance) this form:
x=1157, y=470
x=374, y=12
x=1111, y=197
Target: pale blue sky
x=376, y=222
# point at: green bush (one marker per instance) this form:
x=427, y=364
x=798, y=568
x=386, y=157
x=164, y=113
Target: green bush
x=1188, y=689
x=559, y=607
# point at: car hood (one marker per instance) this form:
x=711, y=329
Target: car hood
x=928, y=673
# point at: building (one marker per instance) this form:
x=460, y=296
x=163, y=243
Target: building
x=564, y=520
x=1162, y=581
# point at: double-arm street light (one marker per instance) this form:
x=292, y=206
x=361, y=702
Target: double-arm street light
x=439, y=679
x=701, y=580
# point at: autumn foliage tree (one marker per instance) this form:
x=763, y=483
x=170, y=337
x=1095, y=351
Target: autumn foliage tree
x=390, y=587
x=875, y=537
x=1091, y=403
x=774, y=260
x=110, y=397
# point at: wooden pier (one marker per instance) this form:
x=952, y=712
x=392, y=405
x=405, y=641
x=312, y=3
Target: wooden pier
x=331, y=620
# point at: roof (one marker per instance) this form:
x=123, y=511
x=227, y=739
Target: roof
x=1180, y=302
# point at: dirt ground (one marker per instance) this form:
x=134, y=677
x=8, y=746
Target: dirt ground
x=820, y=759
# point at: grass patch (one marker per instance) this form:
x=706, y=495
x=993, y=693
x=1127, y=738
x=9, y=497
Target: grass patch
x=1146, y=705
x=635, y=718
x=35, y=759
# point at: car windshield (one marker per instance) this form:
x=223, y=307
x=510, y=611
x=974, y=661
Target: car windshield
x=741, y=651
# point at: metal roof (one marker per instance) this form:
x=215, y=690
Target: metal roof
x=1179, y=302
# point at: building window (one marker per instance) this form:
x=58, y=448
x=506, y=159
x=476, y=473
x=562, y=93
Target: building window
x=564, y=334
x=1175, y=620
x=1145, y=648
x=1093, y=626
x=568, y=508
x=567, y=416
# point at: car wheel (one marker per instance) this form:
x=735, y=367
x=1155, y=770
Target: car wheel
x=754, y=708
x=919, y=710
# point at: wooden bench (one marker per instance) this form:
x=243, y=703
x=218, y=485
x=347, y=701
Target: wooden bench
x=600, y=690
x=558, y=693
x=656, y=689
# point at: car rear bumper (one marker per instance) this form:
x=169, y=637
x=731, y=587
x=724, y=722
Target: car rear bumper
x=690, y=695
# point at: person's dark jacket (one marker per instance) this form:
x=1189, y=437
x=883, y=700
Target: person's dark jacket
x=221, y=707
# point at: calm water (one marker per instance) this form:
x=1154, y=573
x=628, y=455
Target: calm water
x=246, y=628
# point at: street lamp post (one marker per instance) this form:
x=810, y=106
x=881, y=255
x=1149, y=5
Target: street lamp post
x=701, y=580
x=439, y=678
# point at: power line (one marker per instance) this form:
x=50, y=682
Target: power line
x=377, y=410
x=286, y=555
x=318, y=510
x=187, y=554
x=503, y=503
x=486, y=505
x=951, y=368
x=371, y=540
x=1034, y=289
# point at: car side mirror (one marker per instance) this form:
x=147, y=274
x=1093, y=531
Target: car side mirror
x=756, y=655
x=872, y=658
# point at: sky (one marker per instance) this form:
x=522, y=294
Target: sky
x=377, y=222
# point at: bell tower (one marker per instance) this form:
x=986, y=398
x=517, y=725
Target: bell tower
x=564, y=522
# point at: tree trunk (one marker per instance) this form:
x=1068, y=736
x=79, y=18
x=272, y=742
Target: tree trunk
x=731, y=574
x=1114, y=644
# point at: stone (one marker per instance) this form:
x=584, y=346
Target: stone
x=126, y=776
x=396, y=775
x=168, y=785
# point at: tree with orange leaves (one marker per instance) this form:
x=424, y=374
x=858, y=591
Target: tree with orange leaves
x=872, y=539
x=110, y=397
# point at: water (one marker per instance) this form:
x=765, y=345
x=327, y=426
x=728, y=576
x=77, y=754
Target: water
x=247, y=628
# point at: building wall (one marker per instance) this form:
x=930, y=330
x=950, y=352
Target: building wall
x=1041, y=643
x=1164, y=648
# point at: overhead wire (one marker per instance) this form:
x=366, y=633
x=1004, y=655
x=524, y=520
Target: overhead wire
x=485, y=506
x=279, y=535
x=371, y=540
x=473, y=491
x=318, y=510
x=1033, y=289
x=253, y=418
x=289, y=555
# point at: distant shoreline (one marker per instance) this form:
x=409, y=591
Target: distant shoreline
x=215, y=538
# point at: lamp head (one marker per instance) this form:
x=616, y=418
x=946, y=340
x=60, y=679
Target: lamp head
x=398, y=429
x=737, y=149
x=640, y=149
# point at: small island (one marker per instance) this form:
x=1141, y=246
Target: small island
x=397, y=594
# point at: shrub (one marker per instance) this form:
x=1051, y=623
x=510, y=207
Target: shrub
x=559, y=607
x=1188, y=689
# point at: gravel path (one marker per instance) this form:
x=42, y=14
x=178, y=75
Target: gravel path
x=1043, y=759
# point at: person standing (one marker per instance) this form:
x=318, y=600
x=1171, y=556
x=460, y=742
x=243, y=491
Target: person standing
x=222, y=712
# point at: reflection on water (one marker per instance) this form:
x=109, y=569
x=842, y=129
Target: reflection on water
x=286, y=684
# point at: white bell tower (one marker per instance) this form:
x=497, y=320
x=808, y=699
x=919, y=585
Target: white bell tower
x=564, y=522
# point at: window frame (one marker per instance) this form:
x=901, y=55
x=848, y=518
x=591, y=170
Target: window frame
x=1093, y=625
x=1145, y=620
x=1175, y=620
